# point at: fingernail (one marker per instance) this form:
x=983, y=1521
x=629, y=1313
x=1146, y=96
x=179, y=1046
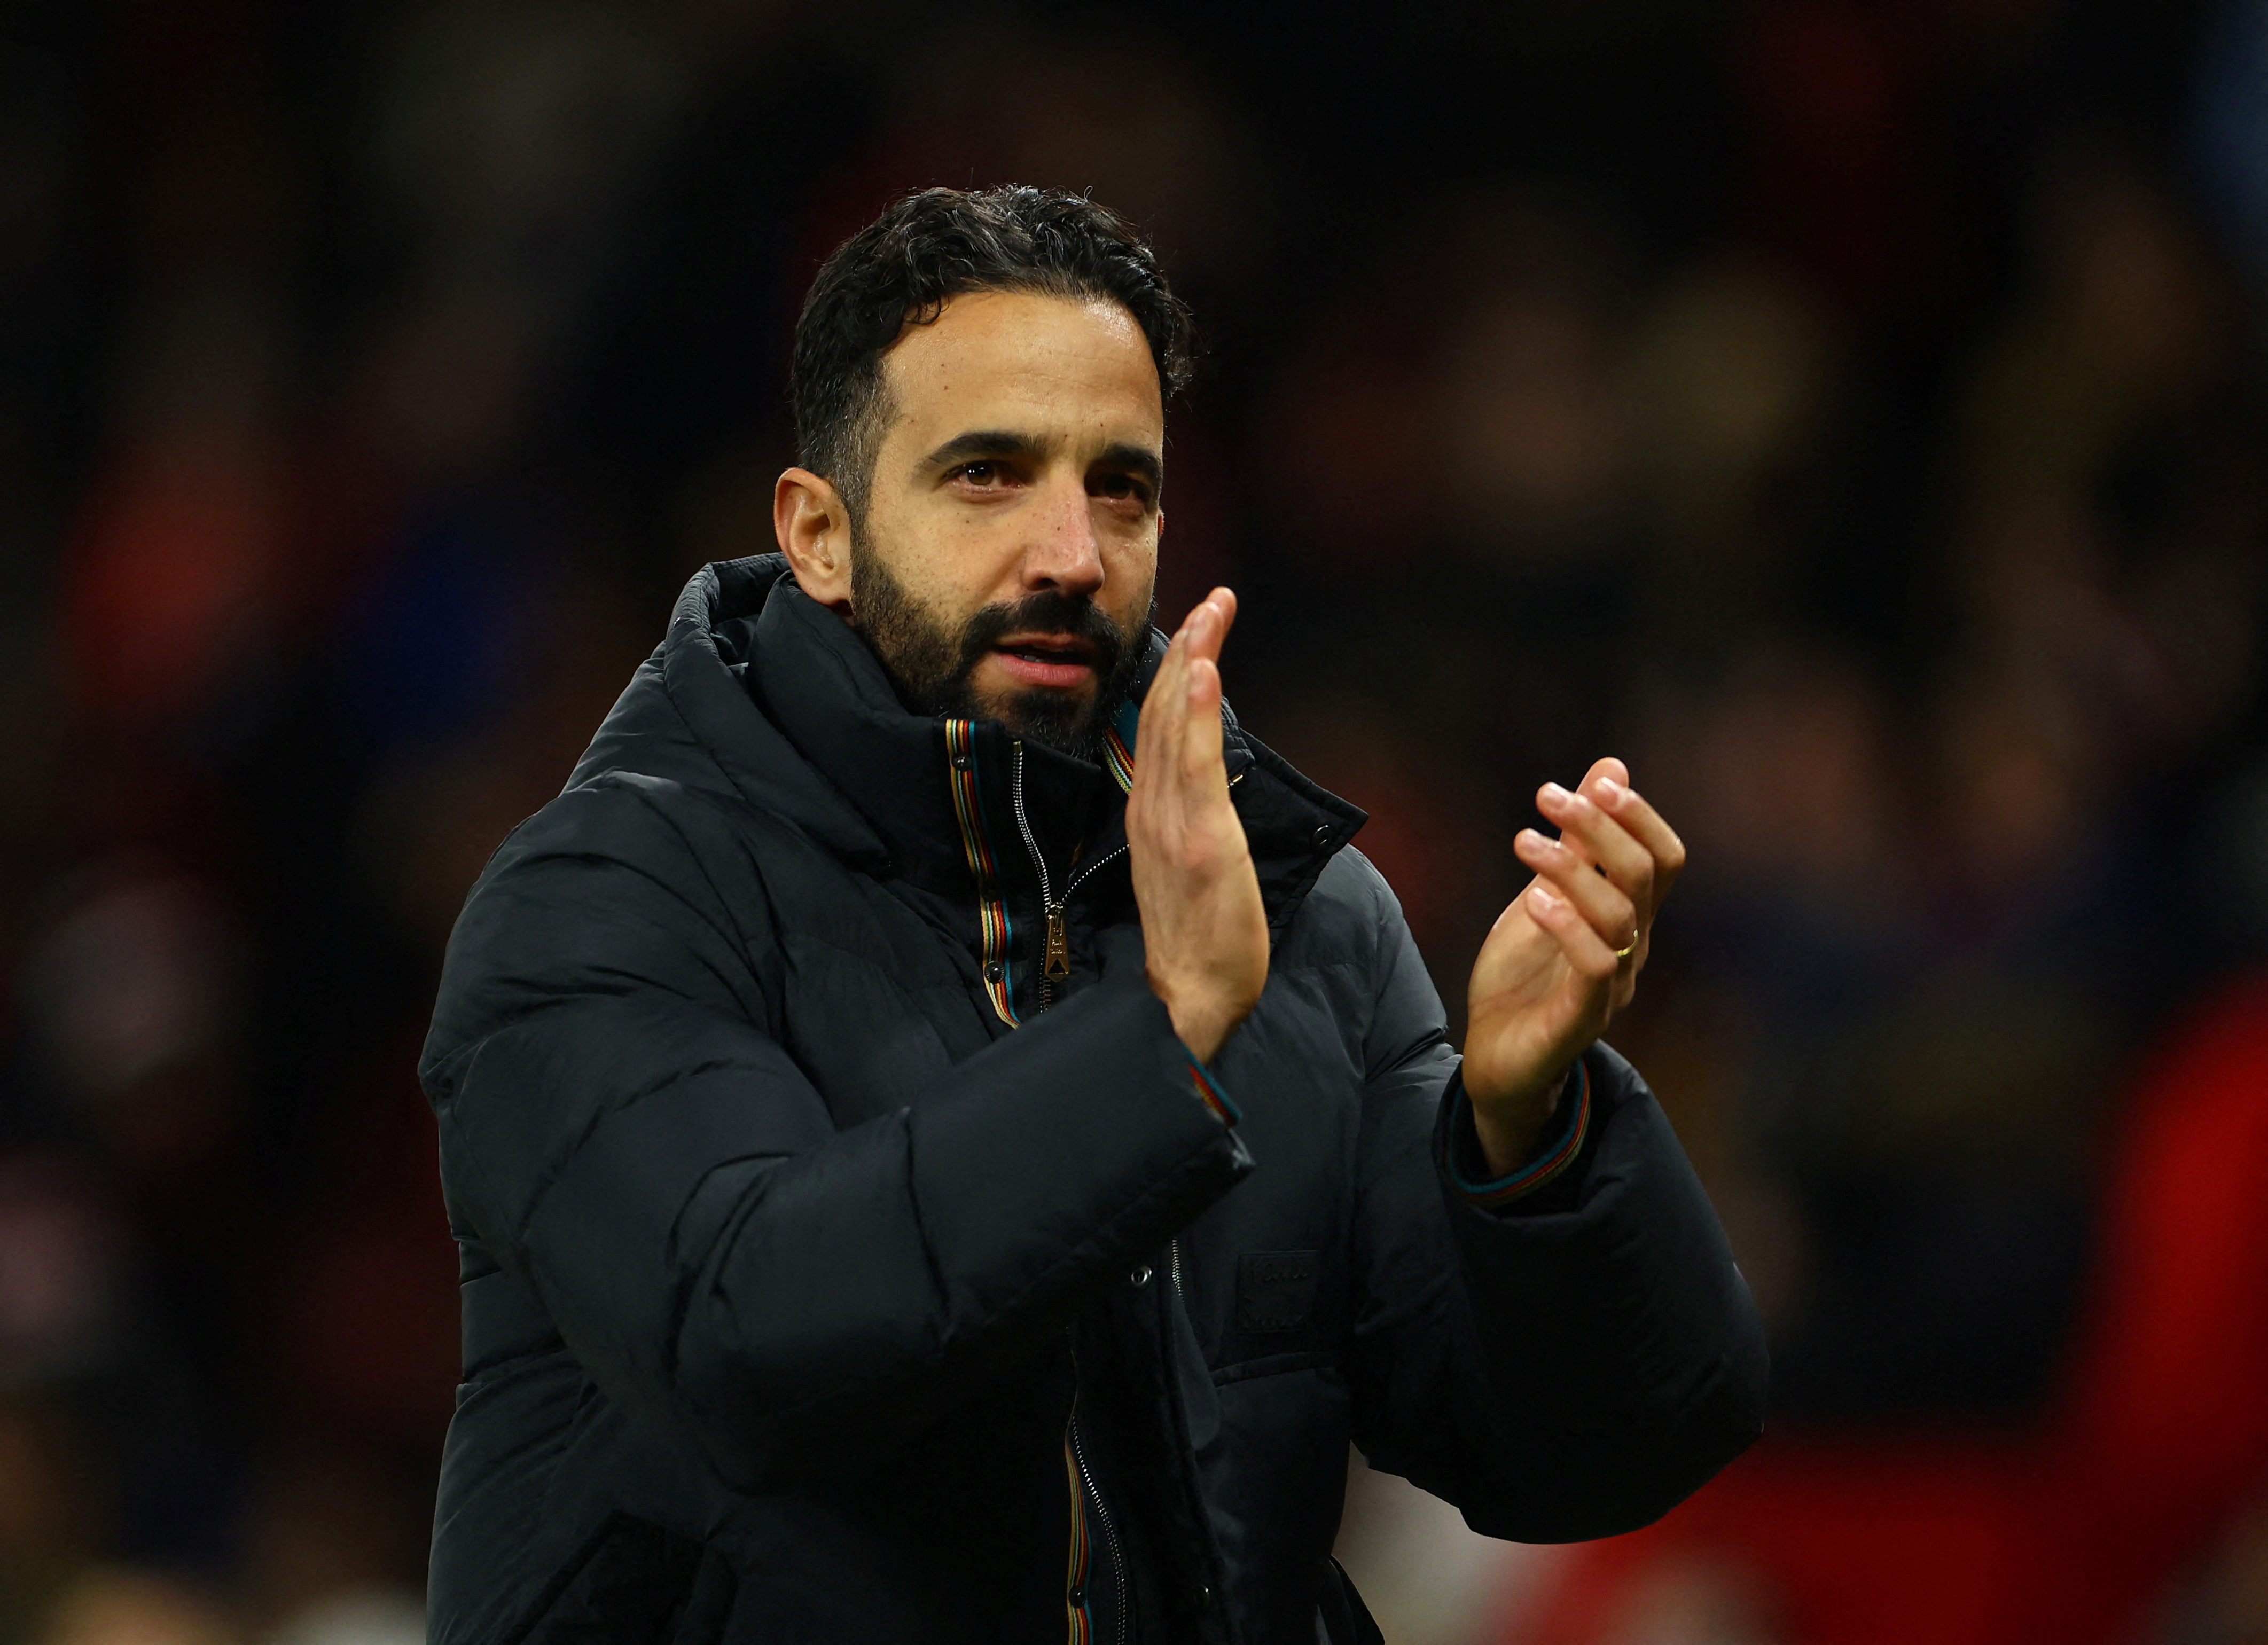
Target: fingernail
x=1610, y=790
x=1554, y=794
x=1543, y=897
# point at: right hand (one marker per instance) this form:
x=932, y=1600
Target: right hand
x=1202, y=925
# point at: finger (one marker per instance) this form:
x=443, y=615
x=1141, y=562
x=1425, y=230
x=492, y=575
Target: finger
x=1591, y=832
x=1163, y=709
x=1154, y=730
x=1194, y=639
x=1585, y=949
x=1180, y=718
x=1202, y=764
x=1604, y=905
x=1198, y=740
x=1208, y=623
x=1210, y=620
x=1609, y=769
x=1617, y=799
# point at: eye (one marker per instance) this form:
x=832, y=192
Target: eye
x=1122, y=487
x=984, y=473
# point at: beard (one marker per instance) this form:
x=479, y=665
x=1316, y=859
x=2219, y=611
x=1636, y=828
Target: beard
x=934, y=664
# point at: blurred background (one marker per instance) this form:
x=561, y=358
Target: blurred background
x=1854, y=413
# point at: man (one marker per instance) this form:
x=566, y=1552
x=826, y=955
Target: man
x=947, y=1140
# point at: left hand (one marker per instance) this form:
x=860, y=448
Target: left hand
x=1204, y=931
x=1548, y=979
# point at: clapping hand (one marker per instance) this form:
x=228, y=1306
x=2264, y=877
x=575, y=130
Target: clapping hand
x=1203, y=929
x=1564, y=957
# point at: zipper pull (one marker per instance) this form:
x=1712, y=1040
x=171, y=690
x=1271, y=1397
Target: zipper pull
x=1058, y=959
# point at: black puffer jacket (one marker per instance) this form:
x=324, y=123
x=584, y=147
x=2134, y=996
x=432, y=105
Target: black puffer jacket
x=805, y=1298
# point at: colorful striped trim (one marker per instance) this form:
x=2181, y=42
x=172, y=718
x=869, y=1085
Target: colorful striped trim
x=1118, y=743
x=992, y=908
x=1079, y=1613
x=1212, y=1095
x=1120, y=759
x=1554, y=1162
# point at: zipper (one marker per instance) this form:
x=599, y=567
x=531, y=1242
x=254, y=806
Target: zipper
x=1103, y=1518
x=1055, y=956
x=1083, y=1482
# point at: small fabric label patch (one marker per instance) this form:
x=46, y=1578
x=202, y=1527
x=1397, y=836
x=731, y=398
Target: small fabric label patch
x=1276, y=1291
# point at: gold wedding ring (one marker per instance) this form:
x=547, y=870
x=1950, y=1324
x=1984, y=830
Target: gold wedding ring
x=1624, y=952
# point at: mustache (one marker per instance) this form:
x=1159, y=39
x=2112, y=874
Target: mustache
x=1048, y=611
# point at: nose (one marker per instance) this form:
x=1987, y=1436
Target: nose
x=1064, y=555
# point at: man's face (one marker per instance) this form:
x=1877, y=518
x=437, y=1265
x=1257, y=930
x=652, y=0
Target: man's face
x=1006, y=565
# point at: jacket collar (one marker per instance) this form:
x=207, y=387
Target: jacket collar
x=877, y=779
x=825, y=688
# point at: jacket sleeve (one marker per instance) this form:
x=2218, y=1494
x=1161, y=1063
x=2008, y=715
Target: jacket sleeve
x=1571, y=1364
x=790, y=1298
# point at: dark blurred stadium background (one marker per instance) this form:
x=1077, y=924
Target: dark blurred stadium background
x=1855, y=414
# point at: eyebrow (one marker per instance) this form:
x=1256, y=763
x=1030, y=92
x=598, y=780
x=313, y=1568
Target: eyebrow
x=1137, y=459
x=980, y=443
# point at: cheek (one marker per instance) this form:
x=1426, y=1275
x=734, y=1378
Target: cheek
x=954, y=563
x=1130, y=578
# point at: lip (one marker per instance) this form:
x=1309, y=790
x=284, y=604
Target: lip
x=1051, y=660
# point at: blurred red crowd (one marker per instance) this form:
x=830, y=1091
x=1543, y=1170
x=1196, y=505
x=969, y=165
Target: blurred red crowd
x=1851, y=414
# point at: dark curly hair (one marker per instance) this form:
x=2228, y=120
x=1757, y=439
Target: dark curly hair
x=935, y=245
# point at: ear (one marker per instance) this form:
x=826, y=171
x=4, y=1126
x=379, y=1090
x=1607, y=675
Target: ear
x=813, y=528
